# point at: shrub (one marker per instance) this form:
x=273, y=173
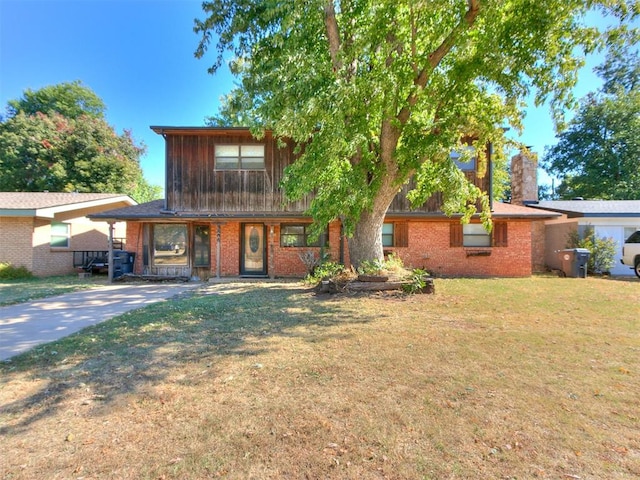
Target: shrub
x=9, y=272
x=603, y=250
x=416, y=281
x=324, y=271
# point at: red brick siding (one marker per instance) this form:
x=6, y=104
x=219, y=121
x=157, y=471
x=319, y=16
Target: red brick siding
x=429, y=247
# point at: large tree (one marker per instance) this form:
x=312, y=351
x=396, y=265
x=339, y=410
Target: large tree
x=57, y=139
x=380, y=91
x=598, y=156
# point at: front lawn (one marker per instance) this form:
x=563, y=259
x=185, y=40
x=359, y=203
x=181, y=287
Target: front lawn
x=25, y=290
x=486, y=379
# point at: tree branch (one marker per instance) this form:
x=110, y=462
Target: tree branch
x=438, y=54
x=333, y=35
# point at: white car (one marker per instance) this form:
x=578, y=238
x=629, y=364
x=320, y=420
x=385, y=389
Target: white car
x=631, y=252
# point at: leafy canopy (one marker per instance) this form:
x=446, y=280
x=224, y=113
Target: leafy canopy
x=379, y=92
x=57, y=139
x=70, y=99
x=598, y=156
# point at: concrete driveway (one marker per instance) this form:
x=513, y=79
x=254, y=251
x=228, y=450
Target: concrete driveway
x=26, y=325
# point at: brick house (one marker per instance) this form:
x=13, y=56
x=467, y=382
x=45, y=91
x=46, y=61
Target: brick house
x=41, y=230
x=225, y=215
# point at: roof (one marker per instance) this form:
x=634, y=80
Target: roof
x=173, y=130
x=592, y=208
x=156, y=210
x=47, y=204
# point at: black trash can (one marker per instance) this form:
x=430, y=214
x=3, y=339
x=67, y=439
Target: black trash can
x=574, y=262
x=122, y=262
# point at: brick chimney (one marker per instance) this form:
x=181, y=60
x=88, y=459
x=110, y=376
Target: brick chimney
x=524, y=178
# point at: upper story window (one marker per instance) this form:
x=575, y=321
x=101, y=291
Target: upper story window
x=239, y=157
x=60, y=235
x=465, y=161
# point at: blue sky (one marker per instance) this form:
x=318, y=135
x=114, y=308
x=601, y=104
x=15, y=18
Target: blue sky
x=137, y=56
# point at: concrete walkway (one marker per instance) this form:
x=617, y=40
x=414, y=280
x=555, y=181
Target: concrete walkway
x=26, y=325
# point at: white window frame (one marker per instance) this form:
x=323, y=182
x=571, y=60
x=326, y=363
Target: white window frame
x=240, y=157
x=475, y=235
x=66, y=236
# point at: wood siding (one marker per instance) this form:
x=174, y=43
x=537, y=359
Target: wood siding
x=194, y=185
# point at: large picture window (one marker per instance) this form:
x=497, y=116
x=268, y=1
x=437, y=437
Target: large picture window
x=170, y=246
x=298, y=236
x=60, y=235
x=239, y=157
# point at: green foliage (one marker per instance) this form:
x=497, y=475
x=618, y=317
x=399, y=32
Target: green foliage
x=79, y=152
x=324, y=271
x=603, y=250
x=10, y=272
x=597, y=156
x=378, y=93
x=71, y=100
x=416, y=281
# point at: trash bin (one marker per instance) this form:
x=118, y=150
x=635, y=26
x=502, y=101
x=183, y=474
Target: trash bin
x=122, y=262
x=574, y=262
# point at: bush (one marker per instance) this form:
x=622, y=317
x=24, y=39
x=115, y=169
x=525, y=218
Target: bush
x=324, y=271
x=603, y=250
x=9, y=272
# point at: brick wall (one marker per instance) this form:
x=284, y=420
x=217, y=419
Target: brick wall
x=16, y=241
x=429, y=248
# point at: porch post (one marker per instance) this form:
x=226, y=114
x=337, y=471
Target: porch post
x=272, y=268
x=110, y=249
x=218, y=249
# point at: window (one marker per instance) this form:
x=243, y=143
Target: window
x=239, y=157
x=60, y=235
x=299, y=236
x=466, y=161
x=631, y=235
x=395, y=234
x=202, y=246
x=170, y=244
x=387, y=235
x=474, y=235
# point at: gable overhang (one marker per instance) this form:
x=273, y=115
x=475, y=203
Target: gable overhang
x=50, y=212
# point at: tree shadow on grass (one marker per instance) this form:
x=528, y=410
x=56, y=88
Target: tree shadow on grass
x=123, y=355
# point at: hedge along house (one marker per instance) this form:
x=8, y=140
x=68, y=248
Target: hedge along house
x=225, y=215
x=41, y=231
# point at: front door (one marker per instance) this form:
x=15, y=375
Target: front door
x=253, y=255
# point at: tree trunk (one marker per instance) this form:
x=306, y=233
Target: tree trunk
x=366, y=243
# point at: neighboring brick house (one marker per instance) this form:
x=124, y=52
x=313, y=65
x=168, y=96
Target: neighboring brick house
x=41, y=230
x=225, y=215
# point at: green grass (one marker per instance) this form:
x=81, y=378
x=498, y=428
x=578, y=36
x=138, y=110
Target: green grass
x=506, y=378
x=24, y=290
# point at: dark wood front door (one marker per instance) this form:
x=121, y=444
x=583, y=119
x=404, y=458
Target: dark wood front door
x=253, y=254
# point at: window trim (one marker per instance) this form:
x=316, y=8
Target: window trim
x=239, y=158
x=304, y=235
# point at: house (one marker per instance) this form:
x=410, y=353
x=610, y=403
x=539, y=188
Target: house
x=616, y=219
x=225, y=215
x=41, y=230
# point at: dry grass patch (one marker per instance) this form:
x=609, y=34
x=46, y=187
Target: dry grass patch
x=524, y=378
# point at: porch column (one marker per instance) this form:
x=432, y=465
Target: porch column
x=218, y=250
x=271, y=252
x=110, y=249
